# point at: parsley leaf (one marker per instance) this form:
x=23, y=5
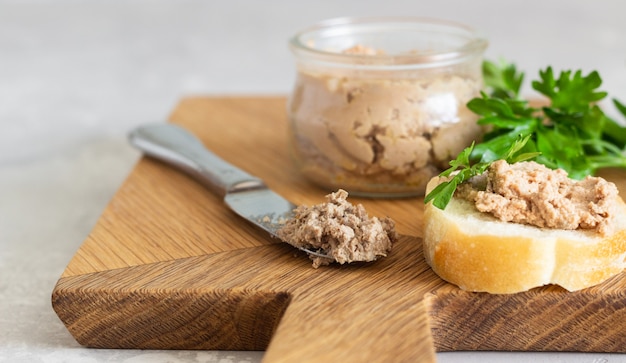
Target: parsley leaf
x=570, y=132
x=502, y=80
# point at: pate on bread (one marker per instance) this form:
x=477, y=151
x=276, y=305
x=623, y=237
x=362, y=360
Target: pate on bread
x=516, y=228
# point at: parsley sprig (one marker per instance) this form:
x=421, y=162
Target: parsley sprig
x=465, y=170
x=570, y=132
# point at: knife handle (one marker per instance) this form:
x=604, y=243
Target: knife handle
x=178, y=147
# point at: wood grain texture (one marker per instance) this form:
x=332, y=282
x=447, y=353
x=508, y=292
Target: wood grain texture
x=168, y=266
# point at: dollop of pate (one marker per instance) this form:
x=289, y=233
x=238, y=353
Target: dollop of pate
x=531, y=193
x=340, y=230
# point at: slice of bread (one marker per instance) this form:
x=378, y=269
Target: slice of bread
x=478, y=252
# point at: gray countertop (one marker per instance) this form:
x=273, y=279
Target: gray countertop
x=76, y=76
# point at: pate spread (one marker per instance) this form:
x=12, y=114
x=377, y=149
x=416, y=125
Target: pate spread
x=340, y=230
x=530, y=193
x=380, y=132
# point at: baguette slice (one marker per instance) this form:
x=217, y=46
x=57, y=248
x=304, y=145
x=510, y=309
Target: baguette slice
x=479, y=252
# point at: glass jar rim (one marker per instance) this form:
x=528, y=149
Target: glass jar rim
x=475, y=42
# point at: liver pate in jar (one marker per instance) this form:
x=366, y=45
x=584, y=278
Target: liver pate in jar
x=378, y=107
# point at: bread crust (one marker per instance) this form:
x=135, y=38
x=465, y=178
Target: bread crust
x=478, y=252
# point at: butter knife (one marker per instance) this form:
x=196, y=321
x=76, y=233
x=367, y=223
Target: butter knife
x=246, y=195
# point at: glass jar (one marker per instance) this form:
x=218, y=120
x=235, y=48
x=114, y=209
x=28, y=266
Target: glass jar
x=378, y=106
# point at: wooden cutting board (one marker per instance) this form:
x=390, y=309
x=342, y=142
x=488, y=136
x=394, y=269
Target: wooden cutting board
x=168, y=266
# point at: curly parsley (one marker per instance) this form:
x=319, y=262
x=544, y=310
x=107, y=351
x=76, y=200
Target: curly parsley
x=570, y=132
